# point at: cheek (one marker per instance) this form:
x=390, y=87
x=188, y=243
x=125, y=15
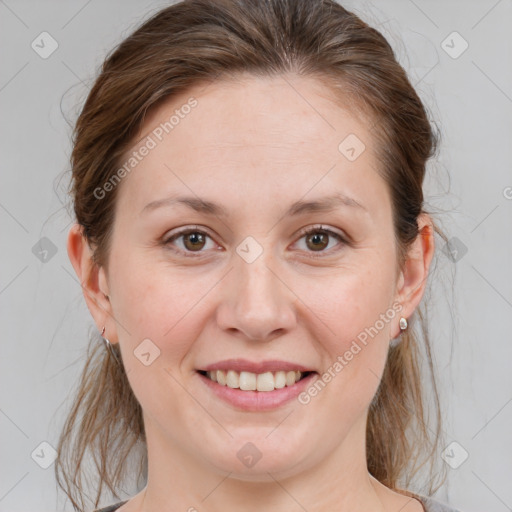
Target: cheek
x=161, y=315
x=353, y=313
x=161, y=305
x=351, y=303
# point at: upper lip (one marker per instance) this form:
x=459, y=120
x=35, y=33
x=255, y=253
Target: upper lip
x=243, y=365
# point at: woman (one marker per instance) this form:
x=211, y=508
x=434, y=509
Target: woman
x=253, y=248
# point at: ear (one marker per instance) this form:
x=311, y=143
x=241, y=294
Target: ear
x=413, y=277
x=93, y=280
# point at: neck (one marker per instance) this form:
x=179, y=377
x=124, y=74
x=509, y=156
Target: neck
x=338, y=481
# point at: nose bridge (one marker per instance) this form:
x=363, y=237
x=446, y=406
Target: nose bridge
x=258, y=285
x=258, y=304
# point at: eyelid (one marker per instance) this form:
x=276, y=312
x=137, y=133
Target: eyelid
x=184, y=230
x=321, y=227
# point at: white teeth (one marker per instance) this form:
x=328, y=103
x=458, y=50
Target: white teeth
x=232, y=379
x=221, y=377
x=248, y=381
x=280, y=380
x=290, y=378
x=265, y=382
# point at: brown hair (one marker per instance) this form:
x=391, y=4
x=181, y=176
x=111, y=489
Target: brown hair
x=206, y=40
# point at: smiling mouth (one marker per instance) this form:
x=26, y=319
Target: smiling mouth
x=248, y=381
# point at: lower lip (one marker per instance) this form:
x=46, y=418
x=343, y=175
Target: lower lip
x=257, y=400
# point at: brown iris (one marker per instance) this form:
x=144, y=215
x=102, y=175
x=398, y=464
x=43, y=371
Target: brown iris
x=319, y=239
x=196, y=240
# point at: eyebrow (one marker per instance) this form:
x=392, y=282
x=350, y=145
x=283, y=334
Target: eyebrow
x=204, y=206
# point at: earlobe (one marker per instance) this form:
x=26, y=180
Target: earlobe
x=91, y=277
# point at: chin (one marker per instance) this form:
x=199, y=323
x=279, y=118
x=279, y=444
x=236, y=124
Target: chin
x=253, y=461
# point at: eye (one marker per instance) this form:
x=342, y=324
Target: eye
x=317, y=239
x=193, y=240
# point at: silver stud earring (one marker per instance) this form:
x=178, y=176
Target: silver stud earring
x=403, y=323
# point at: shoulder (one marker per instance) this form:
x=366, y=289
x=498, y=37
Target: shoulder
x=111, y=508
x=433, y=505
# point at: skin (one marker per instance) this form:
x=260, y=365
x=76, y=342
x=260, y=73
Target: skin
x=255, y=146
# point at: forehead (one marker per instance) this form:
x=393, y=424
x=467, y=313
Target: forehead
x=245, y=110
x=254, y=137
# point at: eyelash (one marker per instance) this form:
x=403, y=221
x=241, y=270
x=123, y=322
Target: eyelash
x=303, y=233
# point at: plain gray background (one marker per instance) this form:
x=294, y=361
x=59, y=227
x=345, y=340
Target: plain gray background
x=45, y=323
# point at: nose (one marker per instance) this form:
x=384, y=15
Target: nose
x=257, y=303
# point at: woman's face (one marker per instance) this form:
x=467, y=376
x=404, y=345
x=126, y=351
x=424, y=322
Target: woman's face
x=246, y=283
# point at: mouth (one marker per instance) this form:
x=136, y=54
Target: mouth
x=256, y=392
x=261, y=382
x=255, y=386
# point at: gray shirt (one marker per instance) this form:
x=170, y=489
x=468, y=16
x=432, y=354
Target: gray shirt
x=429, y=504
